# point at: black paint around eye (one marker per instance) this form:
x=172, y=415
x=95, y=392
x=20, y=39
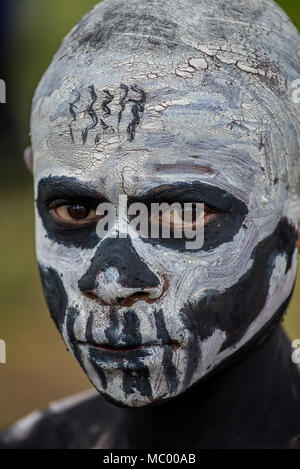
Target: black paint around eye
x=231, y=212
x=68, y=191
x=222, y=228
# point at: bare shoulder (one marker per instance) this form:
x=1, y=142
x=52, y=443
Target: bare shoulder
x=78, y=421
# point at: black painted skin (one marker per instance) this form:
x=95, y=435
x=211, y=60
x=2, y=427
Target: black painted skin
x=231, y=311
x=247, y=404
x=225, y=409
x=250, y=401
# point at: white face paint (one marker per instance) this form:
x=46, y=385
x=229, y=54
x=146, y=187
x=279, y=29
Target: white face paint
x=147, y=319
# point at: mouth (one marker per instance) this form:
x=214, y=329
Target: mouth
x=135, y=357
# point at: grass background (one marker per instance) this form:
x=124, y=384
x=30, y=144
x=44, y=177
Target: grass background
x=39, y=369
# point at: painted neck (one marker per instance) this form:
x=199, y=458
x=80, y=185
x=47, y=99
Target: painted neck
x=252, y=403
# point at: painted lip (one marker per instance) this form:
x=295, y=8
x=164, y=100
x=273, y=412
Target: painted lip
x=135, y=358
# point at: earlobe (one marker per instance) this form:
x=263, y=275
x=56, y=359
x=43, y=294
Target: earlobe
x=28, y=158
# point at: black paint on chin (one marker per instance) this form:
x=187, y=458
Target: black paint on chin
x=234, y=310
x=137, y=381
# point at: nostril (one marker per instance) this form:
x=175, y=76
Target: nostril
x=131, y=299
x=142, y=294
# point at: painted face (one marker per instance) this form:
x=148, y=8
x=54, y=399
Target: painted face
x=146, y=318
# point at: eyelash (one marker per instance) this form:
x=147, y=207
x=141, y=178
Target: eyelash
x=53, y=206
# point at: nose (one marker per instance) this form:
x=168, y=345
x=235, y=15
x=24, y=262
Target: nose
x=117, y=275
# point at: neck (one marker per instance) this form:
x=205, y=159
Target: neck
x=245, y=405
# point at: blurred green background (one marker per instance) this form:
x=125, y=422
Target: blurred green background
x=39, y=369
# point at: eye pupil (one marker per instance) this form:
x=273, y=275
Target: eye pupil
x=78, y=212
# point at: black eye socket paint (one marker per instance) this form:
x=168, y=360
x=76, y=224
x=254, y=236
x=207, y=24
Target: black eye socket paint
x=222, y=228
x=231, y=212
x=57, y=191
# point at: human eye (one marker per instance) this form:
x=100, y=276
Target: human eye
x=75, y=213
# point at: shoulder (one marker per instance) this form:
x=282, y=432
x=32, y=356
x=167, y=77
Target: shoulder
x=77, y=421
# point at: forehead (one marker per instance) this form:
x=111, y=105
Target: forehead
x=122, y=129
x=142, y=132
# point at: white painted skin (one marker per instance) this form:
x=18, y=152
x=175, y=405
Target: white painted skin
x=219, y=100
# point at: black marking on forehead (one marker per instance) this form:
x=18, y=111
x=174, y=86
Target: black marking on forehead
x=72, y=107
x=137, y=111
x=231, y=212
x=106, y=102
x=137, y=102
x=234, y=310
x=133, y=101
x=122, y=102
x=55, y=294
x=120, y=254
x=91, y=113
x=169, y=368
x=69, y=190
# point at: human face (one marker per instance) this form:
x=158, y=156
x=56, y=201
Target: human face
x=148, y=318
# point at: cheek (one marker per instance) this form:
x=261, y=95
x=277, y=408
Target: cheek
x=234, y=310
x=55, y=294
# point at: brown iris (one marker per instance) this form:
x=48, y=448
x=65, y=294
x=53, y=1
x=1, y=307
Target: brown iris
x=78, y=212
x=75, y=214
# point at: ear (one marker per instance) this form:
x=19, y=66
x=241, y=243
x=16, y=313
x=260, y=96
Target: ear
x=28, y=158
x=298, y=241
